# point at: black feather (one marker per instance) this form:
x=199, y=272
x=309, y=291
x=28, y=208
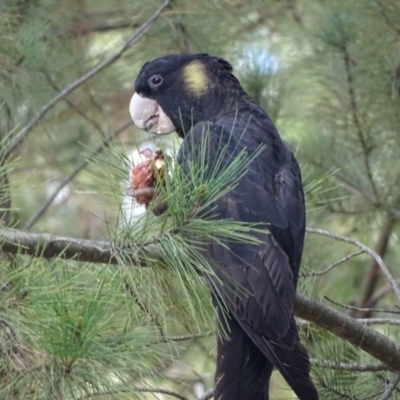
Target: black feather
x=242, y=370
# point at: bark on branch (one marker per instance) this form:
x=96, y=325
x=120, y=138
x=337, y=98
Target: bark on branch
x=349, y=329
x=50, y=246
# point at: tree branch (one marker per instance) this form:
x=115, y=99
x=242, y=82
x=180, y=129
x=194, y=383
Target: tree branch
x=134, y=38
x=50, y=246
x=349, y=329
x=343, y=326
x=185, y=337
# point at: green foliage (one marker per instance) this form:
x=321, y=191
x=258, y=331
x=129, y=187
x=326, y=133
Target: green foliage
x=328, y=74
x=72, y=330
x=337, y=382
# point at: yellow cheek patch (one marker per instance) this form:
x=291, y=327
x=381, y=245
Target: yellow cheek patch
x=196, y=78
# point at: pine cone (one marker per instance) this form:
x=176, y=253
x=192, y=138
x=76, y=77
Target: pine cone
x=146, y=175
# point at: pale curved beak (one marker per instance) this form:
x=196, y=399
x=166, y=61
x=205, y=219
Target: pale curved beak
x=149, y=116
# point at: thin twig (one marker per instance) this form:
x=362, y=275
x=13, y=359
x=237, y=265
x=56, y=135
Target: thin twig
x=356, y=367
x=366, y=249
x=333, y=265
x=133, y=39
x=104, y=144
x=379, y=321
x=143, y=307
x=184, y=338
x=74, y=107
x=162, y=391
x=391, y=386
x=348, y=307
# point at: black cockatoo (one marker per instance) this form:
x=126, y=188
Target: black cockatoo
x=191, y=94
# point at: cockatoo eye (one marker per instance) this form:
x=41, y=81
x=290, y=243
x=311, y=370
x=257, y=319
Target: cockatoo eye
x=155, y=81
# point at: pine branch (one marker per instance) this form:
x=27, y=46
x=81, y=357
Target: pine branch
x=134, y=38
x=348, y=307
x=349, y=329
x=50, y=246
x=143, y=307
x=354, y=367
x=343, y=326
x=184, y=338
